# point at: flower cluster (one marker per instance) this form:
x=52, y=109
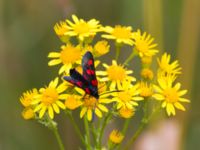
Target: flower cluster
x=120, y=93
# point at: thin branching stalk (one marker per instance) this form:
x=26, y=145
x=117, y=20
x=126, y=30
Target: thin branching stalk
x=87, y=131
x=58, y=138
x=69, y=115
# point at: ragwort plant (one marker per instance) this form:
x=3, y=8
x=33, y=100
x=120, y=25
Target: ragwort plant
x=120, y=93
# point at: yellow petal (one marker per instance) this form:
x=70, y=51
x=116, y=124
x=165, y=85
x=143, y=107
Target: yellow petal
x=54, y=62
x=56, y=108
x=170, y=109
x=103, y=73
x=50, y=112
x=112, y=85
x=102, y=107
x=42, y=111
x=181, y=93
x=164, y=104
x=61, y=88
x=89, y=114
x=54, y=83
x=60, y=104
x=179, y=106
x=184, y=100
x=54, y=54
x=158, y=96
x=63, y=96
x=38, y=107
x=62, y=69
x=98, y=112
x=83, y=111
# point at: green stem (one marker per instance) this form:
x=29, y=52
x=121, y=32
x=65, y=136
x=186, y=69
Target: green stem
x=75, y=126
x=118, y=47
x=145, y=120
x=125, y=127
x=94, y=133
x=58, y=138
x=134, y=137
x=106, y=119
x=133, y=54
x=87, y=132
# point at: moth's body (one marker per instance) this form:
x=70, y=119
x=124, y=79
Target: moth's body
x=87, y=81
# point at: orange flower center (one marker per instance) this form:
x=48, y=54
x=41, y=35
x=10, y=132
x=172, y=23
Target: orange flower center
x=90, y=102
x=171, y=95
x=125, y=96
x=116, y=73
x=49, y=96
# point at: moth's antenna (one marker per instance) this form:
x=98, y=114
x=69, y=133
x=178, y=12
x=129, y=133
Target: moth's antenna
x=111, y=92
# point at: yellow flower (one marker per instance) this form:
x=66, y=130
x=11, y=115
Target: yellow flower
x=126, y=113
x=147, y=73
x=128, y=96
x=49, y=99
x=68, y=56
x=61, y=29
x=83, y=29
x=165, y=67
x=122, y=34
x=115, y=73
x=92, y=105
x=28, y=113
x=101, y=48
x=146, y=90
x=146, y=60
x=73, y=101
x=116, y=136
x=143, y=44
x=170, y=95
x=27, y=97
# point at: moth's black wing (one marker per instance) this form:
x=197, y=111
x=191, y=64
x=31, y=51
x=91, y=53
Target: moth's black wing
x=89, y=70
x=76, y=78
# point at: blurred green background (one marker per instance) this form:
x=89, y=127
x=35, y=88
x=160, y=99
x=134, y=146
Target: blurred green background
x=26, y=37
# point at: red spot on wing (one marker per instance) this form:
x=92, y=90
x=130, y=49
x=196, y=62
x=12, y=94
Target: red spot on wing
x=90, y=72
x=94, y=82
x=87, y=90
x=90, y=62
x=79, y=83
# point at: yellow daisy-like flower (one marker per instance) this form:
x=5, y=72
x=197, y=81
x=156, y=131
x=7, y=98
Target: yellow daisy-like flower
x=116, y=137
x=128, y=96
x=101, y=48
x=147, y=73
x=61, y=28
x=26, y=100
x=73, y=101
x=90, y=104
x=143, y=44
x=28, y=113
x=49, y=99
x=27, y=97
x=146, y=90
x=68, y=56
x=170, y=95
x=83, y=29
x=116, y=74
x=165, y=67
x=147, y=60
x=121, y=34
x=126, y=113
